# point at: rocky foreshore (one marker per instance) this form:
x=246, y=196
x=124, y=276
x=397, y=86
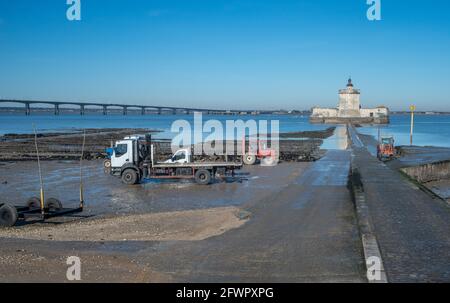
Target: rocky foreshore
x=67, y=145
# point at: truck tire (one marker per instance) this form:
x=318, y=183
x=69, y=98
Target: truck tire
x=33, y=203
x=249, y=159
x=129, y=177
x=53, y=204
x=8, y=215
x=202, y=177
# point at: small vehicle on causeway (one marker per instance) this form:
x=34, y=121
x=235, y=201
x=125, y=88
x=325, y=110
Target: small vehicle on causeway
x=133, y=160
x=386, y=149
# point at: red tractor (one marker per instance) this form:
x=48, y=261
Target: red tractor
x=258, y=149
x=386, y=149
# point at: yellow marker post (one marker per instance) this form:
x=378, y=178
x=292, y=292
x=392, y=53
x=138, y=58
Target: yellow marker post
x=41, y=182
x=412, y=109
x=81, y=171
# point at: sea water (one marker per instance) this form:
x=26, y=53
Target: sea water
x=429, y=130
x=20, y=124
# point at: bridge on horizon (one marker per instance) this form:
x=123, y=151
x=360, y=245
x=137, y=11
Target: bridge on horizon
x=143, y=108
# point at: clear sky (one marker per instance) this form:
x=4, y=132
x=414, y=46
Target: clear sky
x=227, y=53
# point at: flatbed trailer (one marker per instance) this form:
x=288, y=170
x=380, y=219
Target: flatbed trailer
x=201, y=172
x=198, y=164
x=10, y=214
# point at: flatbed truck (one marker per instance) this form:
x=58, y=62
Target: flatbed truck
x=133, y=160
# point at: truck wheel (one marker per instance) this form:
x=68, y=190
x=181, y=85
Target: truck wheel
x=249, y=159
x=53, y=204
x=129, y=177
x=8, y=215
x=107, y=163
x=33, y=203
x=203, y=177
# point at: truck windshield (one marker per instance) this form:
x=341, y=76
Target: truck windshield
x=120, y=149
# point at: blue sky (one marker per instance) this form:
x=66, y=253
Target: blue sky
x=227, y=54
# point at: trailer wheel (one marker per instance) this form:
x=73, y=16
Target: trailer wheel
x=129, y=177
x=249, y=159
x=34, y=202
x=8, y=215
x=203, y=177
x=53, y=204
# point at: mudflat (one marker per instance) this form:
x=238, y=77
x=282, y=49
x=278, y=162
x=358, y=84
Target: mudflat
x=67, y=145
x=120, y=220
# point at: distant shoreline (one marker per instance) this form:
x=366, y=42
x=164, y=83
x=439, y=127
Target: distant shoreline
x=20, y=110
x=50, y=110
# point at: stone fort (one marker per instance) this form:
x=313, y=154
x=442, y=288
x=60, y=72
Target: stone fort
x=349, y=110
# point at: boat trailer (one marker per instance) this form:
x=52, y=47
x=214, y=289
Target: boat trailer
x=39, y=208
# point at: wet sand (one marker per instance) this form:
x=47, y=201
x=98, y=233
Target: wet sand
x=188, y=225
x=105, y=194
x=151, y=216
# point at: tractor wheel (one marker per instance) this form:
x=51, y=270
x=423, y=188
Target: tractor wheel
x=129, y=177
x=53, y=204
x=249, y=159
x=203, y=177
x=8, y=215
x=33, y=203
x=107, y=163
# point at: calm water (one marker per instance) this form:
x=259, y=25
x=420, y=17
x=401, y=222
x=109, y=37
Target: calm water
x=14, y=123
x=429, y=130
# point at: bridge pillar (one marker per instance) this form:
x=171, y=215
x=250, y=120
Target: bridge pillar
x=27, y=109
x=105, y=110
x=159, y=111
x=125, y=110
x=143, y=111
x=174, y=111
x=56, y=109
x=81, y=109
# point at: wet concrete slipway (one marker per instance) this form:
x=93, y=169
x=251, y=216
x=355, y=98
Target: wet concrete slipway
x=305, y=232
x=412, y=227
x=301, y=226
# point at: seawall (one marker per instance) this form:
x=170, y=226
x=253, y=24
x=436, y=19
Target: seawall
x=360, y=120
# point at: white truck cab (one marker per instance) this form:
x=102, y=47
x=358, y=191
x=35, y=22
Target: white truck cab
x=122, y=153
